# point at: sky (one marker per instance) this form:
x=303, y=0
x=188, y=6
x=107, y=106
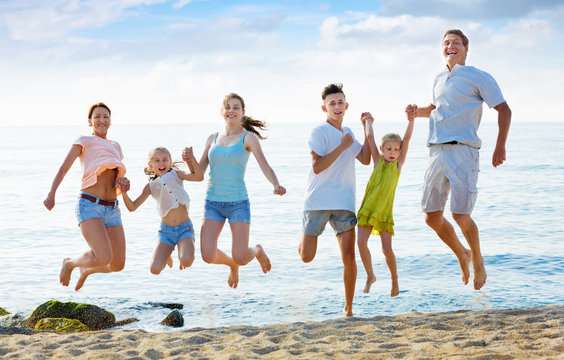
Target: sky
x=157, y=61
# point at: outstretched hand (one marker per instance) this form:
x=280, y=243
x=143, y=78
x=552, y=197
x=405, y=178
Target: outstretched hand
x=279, y=190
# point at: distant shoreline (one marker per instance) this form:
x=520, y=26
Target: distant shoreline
x=532, y=333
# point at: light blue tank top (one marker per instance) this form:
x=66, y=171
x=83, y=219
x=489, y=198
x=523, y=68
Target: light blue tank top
x=227, y=171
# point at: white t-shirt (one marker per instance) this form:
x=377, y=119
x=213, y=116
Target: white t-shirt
x=169, y=192
x=334, y=188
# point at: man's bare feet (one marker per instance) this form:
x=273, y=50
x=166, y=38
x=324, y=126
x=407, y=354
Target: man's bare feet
x=347, y=312
x=169, y=262
x=233, y=279
x=369, y=281
x=66, y=271
x=480, y=275
x=395, y=288
x=263, y=260
x=83, y=275
x=465, y=265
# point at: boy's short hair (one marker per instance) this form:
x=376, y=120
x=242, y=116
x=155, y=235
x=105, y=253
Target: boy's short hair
x=332, y=89
x=459, y=33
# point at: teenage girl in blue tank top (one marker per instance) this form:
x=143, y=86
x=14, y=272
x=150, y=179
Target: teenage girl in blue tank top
x=227, y=153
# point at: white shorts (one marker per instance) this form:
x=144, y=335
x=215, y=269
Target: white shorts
x=451, y=168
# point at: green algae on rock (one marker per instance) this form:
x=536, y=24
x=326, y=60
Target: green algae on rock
x=61, y=325
x=94, y=317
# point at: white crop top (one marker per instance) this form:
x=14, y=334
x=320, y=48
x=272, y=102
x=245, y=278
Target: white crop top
x=169, y=192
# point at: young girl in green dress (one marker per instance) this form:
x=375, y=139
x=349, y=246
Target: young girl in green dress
x=375, y=214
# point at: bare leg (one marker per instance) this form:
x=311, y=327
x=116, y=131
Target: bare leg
x=116, y=237
x=386, y=238
x=346, y=243
x=362, y=241
x=212, y=255
x=160, y=257
x=100, y=252
x=445, y=231
x=472, y=235
x=242, y=253
x=307, y=247
x=169, y=261
x=186, y=252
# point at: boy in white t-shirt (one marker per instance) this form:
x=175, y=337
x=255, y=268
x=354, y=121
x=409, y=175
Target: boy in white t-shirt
x=330, y=192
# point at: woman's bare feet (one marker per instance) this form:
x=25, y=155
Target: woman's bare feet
x=66, y=271
x=347, y=312
x=233, y=279
x=263, y=260
x=395, y=288
x=83, y=275
x=369, y=281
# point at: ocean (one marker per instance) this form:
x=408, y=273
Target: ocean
x=520, y=214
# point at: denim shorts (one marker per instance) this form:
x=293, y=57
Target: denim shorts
x=86, y=209
x=171, y=235
x=237, y=211
x=314, y=221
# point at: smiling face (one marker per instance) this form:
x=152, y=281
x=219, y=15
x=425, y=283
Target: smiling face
x=100, y=121
x=454, y=51
x=335, y=105
x=232, y=110
x=160, y=162
x=391, y=150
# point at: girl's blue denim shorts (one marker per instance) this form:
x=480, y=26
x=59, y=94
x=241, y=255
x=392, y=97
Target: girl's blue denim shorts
x=235, y=211
x=87, y=209
x=171, y=235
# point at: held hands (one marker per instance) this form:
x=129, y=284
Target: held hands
x=123, y=184
x=187, y=154
x=366, y=116
x=411, y=112
x=279, y=190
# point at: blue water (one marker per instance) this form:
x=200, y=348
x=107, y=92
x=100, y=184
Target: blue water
x=519, y=212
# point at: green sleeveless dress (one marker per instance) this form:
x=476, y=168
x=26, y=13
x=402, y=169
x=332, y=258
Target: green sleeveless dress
x=377, y=205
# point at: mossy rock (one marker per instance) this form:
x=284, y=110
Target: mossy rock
x=174, y=319
x=94, y=317
x=3, y=312
x=61, y=325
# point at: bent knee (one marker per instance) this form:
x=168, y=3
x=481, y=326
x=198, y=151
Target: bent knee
x=462, y=220
x=156, y=270
x=433, y=221
x=240, y=260
x=186, y=261
x=388, y=252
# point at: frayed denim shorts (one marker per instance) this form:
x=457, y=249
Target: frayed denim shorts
x=236, y=211
x=87, y=209
x=171, y=235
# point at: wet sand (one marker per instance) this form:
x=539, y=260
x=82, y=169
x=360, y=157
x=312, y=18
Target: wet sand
x=531, y=333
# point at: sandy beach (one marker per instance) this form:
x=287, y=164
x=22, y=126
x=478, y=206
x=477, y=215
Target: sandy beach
x=531, y=333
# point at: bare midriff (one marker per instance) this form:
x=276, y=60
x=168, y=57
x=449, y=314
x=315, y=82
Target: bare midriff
x=176, y=216
x=105, y=187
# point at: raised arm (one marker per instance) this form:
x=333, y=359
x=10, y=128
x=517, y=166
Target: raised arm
x=367, y=121
x=132, y=205
x=252, y=143
x=195, y=170
x=73, y=153
x=406, y=136
x=503, y=121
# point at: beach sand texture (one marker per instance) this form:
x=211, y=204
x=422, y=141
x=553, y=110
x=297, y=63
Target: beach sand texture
x=531, y=333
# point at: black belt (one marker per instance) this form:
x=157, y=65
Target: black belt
x=99, y=201
x=450, y=143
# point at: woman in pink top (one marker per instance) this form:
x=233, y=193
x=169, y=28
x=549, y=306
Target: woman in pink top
x=98, y=214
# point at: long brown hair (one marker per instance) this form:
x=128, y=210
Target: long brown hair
x=247, y=122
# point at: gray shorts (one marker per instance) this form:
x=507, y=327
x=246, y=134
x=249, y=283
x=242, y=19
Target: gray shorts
x=451, y=169
x=314, y=221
